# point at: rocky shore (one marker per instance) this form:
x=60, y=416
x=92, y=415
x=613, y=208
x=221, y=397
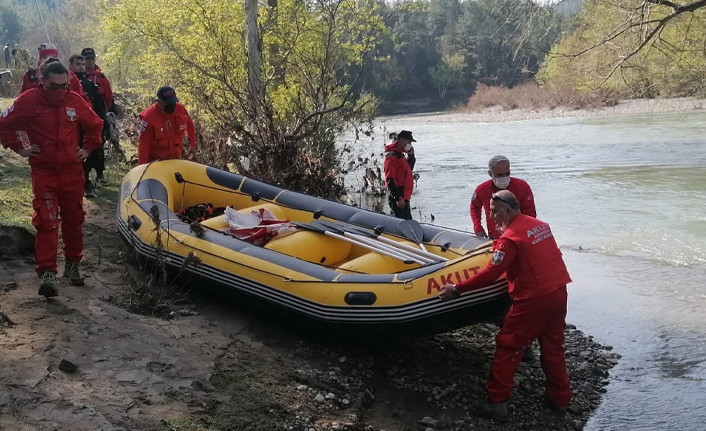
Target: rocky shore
x=633, y=106
x=434, y=384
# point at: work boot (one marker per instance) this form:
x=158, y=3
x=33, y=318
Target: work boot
x=47, y=285
x=551, y=405
x=71, y=272
x=88, y=191
x=497, y=411
x=100, y=180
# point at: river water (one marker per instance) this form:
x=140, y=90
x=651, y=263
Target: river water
x=625, y=196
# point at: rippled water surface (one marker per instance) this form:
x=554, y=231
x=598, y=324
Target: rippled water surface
x=626, y=198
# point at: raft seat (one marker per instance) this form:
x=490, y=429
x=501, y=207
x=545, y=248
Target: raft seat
x=376, y=263
x=312, y=247
x=306, y=245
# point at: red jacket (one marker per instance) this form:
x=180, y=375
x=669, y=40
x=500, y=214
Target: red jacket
x=397, y=168
x=161, y=134
x=54, y=128
x=481, y=200
x=98, y=78
x=31, y=80
x=528, y=255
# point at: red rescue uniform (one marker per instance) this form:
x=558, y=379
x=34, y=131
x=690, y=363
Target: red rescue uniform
x=104, y=89
x=31, y=80
x=529, y=256
x=481, y=202
x=57, y=172
x=161, y=133
x=397, y=168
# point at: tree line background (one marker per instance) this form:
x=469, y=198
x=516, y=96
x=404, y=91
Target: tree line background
x=275, y=83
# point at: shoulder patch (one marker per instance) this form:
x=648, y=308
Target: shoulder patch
x=498, y=257
x=6, y=112
x=142, y=126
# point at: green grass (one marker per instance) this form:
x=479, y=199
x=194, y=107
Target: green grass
x=15, y=191
x=184, y=425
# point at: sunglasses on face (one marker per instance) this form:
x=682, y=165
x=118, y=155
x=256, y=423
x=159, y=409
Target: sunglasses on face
x=55, y=86
x=505, y=201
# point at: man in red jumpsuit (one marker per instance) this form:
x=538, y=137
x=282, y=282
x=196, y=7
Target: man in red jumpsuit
x=52, y=117
x=32, y=77
x=529, y=256
x=162, y=129
x=499, y=171
x=399, y=162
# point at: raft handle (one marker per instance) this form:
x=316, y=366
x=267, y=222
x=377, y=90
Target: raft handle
x=360, y=298
x=179, y=177
x=135, y=222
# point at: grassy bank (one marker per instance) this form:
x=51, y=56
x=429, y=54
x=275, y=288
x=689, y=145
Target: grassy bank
x=15, y=186
x=15, y=191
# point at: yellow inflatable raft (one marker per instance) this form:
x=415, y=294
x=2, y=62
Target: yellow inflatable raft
x=341, y=265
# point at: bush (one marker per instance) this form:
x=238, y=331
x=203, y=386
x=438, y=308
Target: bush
x=530, y=96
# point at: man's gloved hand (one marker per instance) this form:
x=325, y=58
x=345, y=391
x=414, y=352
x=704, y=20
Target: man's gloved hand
x=400, y=203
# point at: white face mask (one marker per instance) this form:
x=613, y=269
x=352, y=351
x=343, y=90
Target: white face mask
x=408, y=147
x=501, y=182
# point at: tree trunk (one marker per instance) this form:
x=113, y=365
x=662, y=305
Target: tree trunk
x=252, y=34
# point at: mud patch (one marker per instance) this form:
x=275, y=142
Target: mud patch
x=15, y=242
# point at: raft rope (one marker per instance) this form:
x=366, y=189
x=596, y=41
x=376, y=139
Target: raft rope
x=236, y=192
x=277, y=203
x=172, y=236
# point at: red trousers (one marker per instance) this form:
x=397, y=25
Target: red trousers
x=58, y=201
x=540, y=318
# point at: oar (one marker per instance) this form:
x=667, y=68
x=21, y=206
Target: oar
x=384, y=246
x=339, y=229
x=414, y=231
x=356, y=231
x=416, y=251
x=405, y=259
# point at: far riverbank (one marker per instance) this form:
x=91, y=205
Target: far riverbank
x=498, y=114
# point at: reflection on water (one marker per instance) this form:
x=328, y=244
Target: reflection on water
x=625, y=197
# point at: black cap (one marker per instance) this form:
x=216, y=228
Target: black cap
x=407, y=135
x=167, y=95
x=88, y=53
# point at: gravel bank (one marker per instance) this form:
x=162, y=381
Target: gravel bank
x=430, y=383
x=634, y=106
